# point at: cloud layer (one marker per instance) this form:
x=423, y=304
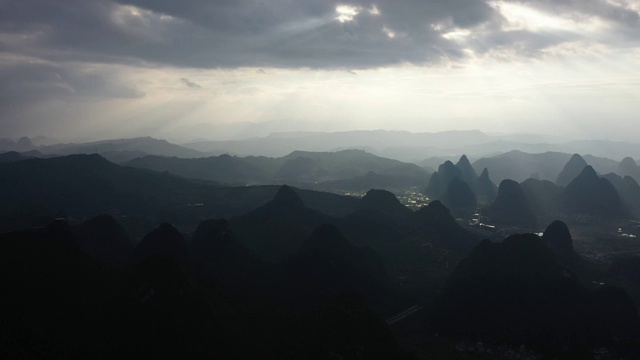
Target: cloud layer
x=89, y=50
x=313, y=33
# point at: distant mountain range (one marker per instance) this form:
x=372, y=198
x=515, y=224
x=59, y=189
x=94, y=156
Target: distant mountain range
x=543, y=177
x=519, y=166
x=415, y=147
x=399, y=145
x=348, y=170
x=88, y=185
x=117, y=150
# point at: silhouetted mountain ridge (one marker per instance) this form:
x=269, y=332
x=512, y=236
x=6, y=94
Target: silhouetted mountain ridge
x=591, y=195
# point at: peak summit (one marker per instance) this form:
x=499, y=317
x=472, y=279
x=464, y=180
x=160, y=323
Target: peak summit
x=383, y=201
x=288, y=197
x=558, y=238
x=571, y=170
x=511, y=206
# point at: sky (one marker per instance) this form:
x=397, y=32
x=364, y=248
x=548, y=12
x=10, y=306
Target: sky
x=223, y=69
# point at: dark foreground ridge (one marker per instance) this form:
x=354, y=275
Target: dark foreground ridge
x=190, y=269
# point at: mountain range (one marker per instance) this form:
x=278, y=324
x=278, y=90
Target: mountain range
x=345, y=170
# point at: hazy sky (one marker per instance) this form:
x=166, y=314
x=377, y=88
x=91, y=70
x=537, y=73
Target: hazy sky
x=223, y=68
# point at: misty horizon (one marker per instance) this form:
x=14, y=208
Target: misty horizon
x=261, y=132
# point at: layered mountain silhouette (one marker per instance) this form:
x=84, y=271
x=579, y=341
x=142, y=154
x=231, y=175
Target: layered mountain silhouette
x=511, y=207
x=318, y=170
x=486, y=190
x=88, y=185
x=515, y=292
x=571, y=170
x=12, y=156
x=629, y=167
x=122, y=150
x=628, y=189
x=591, y=195
x=277, y=229
x=277, y=272
x=455, y=186
x=105, y=240
x=558, y=239
x=328, y=265
x=543, y=195
x=468, y=173
x=371, y=180
x=435, y=224
x=407, y=146
x=519, y=165
x=385, y=202
x=162, y=243
x=440, y=181
x=222, y=260
x=459, y=198
x=62, y=304
x=222, y=169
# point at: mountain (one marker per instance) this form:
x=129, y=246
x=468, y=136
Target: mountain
x=543, y=195
x=558, y=239
x=514, y=292
x=328, y=265
x=21, y=145
x=414, y=147
x=468, y=173
x=439, y=182
x=60, y=304
x=419, y=250
x=591, y=195
x=12, y=156
x=571, y=170
x=122, y=150
x=331, y=170
x=222, y=260
x=89, y=185
x=308, y=166
x=277, y=229
x=459, y=198
x=519, y=166
x=105, y=241
x=602, y=165
x=222, y=169
x=628, y=189
x=434, y=224
x=83, y=186
x=628, y=167
x=625, y=272
x=404, y=146
x=432, y=163
x=48, y=284
x=511, y=207
x=486, y=190
x=385, y=202
x=371, y=180
x=630, y=194
x=163, y=242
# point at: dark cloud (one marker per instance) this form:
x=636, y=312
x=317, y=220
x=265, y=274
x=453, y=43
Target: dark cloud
x=276, y=33
x=190, y=83
x=224, y=33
